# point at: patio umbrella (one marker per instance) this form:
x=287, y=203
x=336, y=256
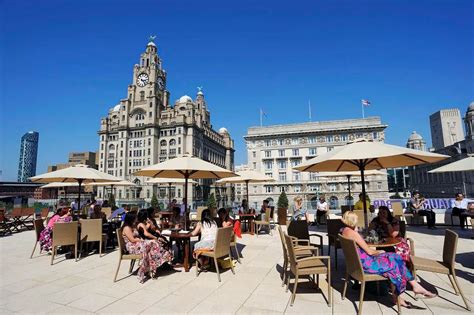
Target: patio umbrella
x=187, y=167
x=60, y=185
x=169, y=182
x=350, y=174
x=464, y=165
x=79, y=173
x=366, y=155
x=246, y=177
x=122, y=183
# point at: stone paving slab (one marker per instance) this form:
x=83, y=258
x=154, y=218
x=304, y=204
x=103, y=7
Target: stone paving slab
x=33, y=286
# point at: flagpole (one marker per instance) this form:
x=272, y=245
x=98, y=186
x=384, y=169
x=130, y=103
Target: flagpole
x=363, y=112
x=261, y=118
x=309, y=107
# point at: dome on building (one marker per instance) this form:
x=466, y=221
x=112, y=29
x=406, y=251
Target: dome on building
x=185, y=99
x=223, y=130
x=415, y=136
x=116, y=108
x=470, y=108
x=150, y=43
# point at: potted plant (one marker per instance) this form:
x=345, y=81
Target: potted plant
x=211, y=204
x=282, y=208
x=112, y=200
x=154, y=202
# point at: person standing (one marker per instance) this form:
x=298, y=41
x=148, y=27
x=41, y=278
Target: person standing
x=359, y=205
x=322, y=209
x=459, y=206
x=417, y=206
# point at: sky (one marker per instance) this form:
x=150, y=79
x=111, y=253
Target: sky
x=63, y=64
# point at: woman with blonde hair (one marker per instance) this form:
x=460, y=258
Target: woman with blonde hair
x=299, y=212
x=388, y=265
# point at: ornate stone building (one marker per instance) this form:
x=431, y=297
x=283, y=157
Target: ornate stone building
x=416, y=142
x=275, y=150
x=144, y=129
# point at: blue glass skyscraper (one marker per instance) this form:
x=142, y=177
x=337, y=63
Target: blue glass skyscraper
x=28, y=155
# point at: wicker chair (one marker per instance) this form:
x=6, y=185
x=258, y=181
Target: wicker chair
x=64, y=234
x=233, y=244
x=265, y=222
x=39, y=227
x=397, y=209
x=45, y=214
x=91, y=231
x=107, y=211
x=300, y=251
x=307, y=266
x=299, y=230
x=5, y=224
x=124, y=255
x=221, y=250
x=446, y=266
x=354, y=270
x=333, y=228
x=360, y=218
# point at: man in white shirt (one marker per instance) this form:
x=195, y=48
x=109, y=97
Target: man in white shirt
x=459, y=207
x=321, y=209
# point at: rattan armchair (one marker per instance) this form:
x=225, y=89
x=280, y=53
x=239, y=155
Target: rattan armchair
x=91, y=231
x=124, y=255
x=307, y=266
x=265, y=222
x=445, y=266
x=299, y=229
x=39, y=227
x=354, y=269
x=333, y=228
x=64, y=234
x=221, y=250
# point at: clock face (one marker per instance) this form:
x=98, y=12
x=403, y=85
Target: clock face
x=142, y=79
x=161, y=84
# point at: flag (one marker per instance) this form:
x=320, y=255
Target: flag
x=365, y=102
x=263, y=113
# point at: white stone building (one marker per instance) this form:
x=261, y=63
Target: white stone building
x=446, y=128
x=144, y=129
x=275, y=150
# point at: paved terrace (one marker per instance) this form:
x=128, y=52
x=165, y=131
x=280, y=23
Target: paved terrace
x=33, y=286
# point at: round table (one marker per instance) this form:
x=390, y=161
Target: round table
x=249, y=217
x=388, y=242
x=186, y=239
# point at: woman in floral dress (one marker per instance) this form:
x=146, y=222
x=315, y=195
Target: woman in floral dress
x=153, y=253
x=62, y=215
x=388, y=265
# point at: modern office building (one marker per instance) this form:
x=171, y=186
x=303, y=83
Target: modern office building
x=145, y=128
x=28, y=156
x=446, y=128
x=275, y=150
x=86, y=158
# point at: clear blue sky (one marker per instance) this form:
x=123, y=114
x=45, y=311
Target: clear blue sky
x=65, y=63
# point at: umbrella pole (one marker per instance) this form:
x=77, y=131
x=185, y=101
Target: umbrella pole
x=464, y=183
x=186, y=176
x=361, y=168
x=79, y=195
x=349, y=187
x=169, y=197
x=248, y=203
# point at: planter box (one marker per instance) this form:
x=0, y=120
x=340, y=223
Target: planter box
x=282, y=216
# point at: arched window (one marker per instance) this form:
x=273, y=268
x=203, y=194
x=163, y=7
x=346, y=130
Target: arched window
x=163, y=143
x=172, y=142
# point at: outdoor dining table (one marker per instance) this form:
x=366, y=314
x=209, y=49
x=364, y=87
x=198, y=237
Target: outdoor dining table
x=249, y=217
x=186, y=239
x=387, y=242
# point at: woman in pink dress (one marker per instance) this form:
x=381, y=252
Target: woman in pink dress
x=62, y=215
x=153, y=253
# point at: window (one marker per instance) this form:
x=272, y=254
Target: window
x=329, y=138
x=283, y=189
x=254, y=154
x=163, y=143
x=294, y=141
x=296, y=176
x=172, y=142
x=297, y=188
x=379, y=185
x=295, y=162
x=332, y=187
x=330, y=149
x=282, y=176
x=150, y=114
x=254, y=165
x=313, y=151
x=142, y=95
x=311, y=140
x=344, y=137
x=281, y=142
x=282, y=164
x=313, y=176
x=268, y=189
x=268, y=143
x=268, y=153
x=281, y=153
x=268, y=165
x=296, y=152
x=269, y=174
x=375, y=135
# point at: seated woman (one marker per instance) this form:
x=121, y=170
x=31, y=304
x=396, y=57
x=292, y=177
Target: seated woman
x=153, y=253
x=98, y=214
x=299, y=212
x=208, y=229
x=388, y=265
x=176, y=220
x=226, y=221
x=62, y=215
x=154, y=226
x=387, y=226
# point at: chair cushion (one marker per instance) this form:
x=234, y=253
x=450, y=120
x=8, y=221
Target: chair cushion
x=313, y=266
x=429, y=265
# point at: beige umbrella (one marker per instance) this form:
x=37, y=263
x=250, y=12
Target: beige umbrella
x=79, y=173
x=350, y=174
x=59, y=185
x=121, y=183
x=169, y=182
x=246, y=177
x=185, y=167
x=464, y=165
x=365, y=155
